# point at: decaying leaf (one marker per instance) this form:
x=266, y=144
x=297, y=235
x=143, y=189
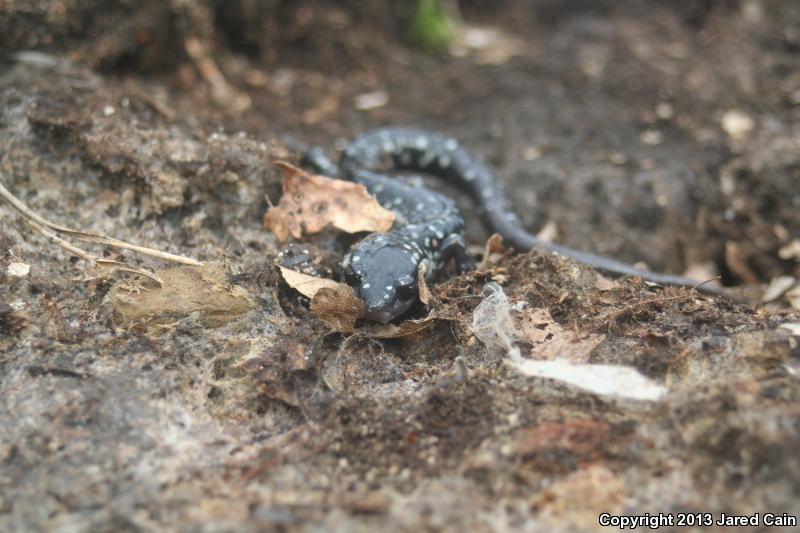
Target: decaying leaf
x=184, y=291
x=603, y=283
x=310, y=203
x=333, y=302
x=404, y=329
x=549, y=340
x=777, y=287
x=305, y=284
x=338, y=307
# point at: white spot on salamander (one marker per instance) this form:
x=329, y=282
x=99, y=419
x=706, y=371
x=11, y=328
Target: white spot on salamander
x=388, y=288
x=469, y=175
x=451, y=144
x=420, y=206
x=421, y=142
x=366, y=286
x=444, y=161
x=356, y=258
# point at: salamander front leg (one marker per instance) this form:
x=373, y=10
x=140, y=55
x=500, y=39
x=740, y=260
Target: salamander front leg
x=318, y=161
x=455, y=247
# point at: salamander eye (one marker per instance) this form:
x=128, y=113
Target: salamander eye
x=406, y=286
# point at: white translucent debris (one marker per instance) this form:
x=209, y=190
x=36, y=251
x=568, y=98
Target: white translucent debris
x=373, y=100
x=491, y=321
x=605, y=380
x=793, y=327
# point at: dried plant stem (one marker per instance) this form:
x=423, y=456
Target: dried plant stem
x=95, y=238
x=49, y=229
x=223, y=92
x=91, y=259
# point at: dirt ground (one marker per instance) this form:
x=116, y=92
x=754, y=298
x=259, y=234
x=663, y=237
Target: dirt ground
x=657, y=132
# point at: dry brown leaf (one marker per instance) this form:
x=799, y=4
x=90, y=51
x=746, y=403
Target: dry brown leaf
x=333, y=302
x=307, y=285
x=309, y=203
x=338, y=307
x=549, y=340
x=404, y=329
x=493, y=252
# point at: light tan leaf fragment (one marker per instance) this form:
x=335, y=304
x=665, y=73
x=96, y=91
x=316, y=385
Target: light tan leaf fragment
x=602, y=283
x=549, y=340
x=598, y=489
x=305, y=284
x=184, y=290
x=338, y=307
x=777, y=287
x=790, y=251
x=793, y=295
x=310, y=203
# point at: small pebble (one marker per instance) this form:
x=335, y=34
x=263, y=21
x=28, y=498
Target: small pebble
x=18, y=269
x=652, y=137
x=737, y=123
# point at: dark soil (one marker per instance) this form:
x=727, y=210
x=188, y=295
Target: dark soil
x=659, y=132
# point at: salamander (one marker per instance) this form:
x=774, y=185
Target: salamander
x=383, y=268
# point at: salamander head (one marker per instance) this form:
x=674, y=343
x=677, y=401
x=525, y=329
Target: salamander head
x=383, y=272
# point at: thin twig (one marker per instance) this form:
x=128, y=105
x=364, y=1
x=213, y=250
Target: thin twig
x=95, y=238
x=114, y=266
x=43, y=227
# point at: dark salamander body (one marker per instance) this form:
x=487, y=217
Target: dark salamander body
x=383, y=268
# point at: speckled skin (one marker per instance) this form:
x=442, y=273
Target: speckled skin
x=383, y=268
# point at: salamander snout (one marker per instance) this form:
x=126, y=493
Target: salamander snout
x=384, y=276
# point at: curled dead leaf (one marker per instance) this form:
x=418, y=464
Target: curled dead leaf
x=310, y=203
x=333, y=302
x=338, y=307
x=305, y=284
